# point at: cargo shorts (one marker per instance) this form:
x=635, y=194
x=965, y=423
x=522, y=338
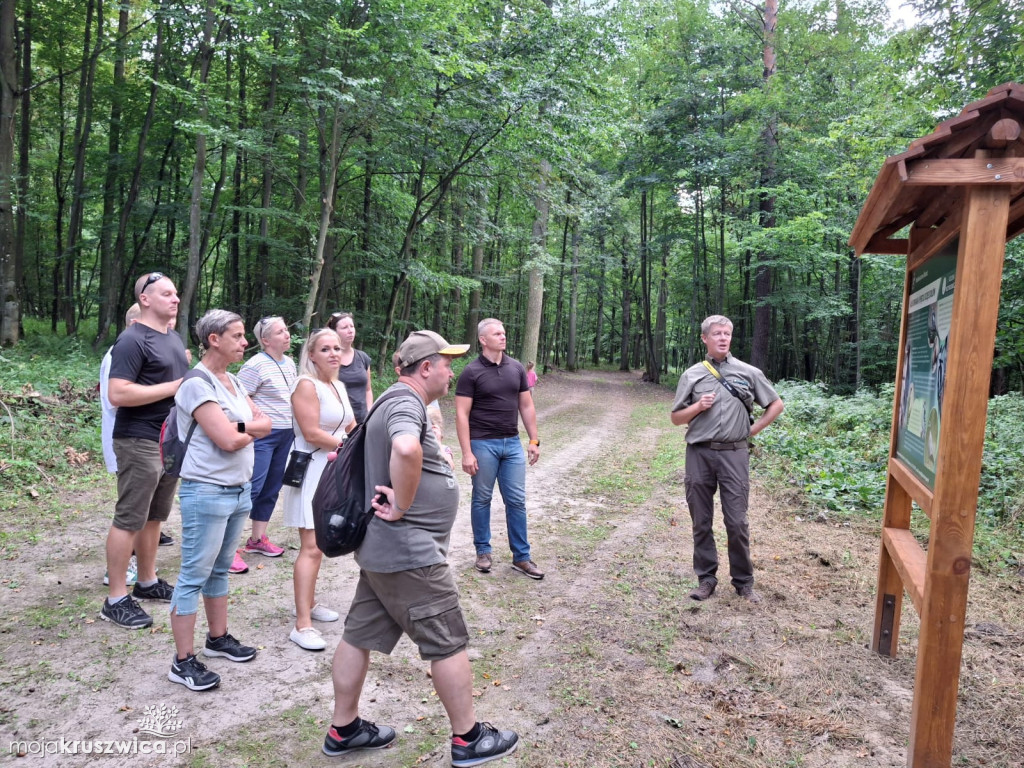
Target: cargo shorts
x=422, y=602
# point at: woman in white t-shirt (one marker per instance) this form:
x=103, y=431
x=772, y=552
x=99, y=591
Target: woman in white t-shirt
x=214, y=495
x=322, y=417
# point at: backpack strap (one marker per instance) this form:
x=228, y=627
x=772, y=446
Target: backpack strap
x=193, y=373
x=396, y=393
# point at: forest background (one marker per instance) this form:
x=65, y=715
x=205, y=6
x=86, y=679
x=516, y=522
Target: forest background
x=600, y=175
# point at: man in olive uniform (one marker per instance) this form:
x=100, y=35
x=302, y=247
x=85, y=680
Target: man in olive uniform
x=715, y=399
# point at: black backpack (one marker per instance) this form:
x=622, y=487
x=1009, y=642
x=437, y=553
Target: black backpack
x=172, y=447
x=339, y=519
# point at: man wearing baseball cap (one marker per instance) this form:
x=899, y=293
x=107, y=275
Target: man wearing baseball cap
x=405, y=584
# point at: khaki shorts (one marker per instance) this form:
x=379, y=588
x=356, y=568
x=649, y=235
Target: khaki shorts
x=144, y=492
x=423, y=603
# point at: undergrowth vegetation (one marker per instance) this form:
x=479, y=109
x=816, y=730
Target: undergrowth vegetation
x=834, y=451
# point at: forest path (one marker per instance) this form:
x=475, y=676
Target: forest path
x=604, y=663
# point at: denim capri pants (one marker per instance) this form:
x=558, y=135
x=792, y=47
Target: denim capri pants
x=212, y=519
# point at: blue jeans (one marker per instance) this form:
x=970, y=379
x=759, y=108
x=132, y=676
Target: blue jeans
x=502, y=459
x=212, y=519
x=271, y=455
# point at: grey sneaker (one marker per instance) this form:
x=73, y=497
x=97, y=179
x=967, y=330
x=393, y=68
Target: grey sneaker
x=704, y=590
x=748, y=593
x=369, y=736
x=489, y=745
x=126, y=613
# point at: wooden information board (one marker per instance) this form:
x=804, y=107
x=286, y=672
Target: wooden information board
x=960, y=191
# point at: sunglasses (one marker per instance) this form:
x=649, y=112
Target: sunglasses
x=153, y=277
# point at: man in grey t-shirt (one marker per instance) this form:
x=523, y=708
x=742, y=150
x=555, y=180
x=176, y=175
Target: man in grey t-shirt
x=715, y=398
x=405, y=584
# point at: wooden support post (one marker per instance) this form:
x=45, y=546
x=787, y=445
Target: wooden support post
x=975, y=310
x=889, y=595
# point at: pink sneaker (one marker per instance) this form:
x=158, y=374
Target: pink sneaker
x=238, y=566
x=262, y=547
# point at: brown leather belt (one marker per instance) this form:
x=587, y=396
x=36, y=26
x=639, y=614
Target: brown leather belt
x=724, y=446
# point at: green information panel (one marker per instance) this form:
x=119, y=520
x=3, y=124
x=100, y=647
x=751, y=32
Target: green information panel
x=923, y=378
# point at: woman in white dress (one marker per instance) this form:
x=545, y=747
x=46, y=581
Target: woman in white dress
x=322, y=416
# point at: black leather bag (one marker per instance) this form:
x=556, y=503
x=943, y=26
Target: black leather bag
x=295, y=471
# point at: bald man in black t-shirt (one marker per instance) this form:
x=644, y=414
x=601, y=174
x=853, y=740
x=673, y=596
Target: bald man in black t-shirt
x=491, y=394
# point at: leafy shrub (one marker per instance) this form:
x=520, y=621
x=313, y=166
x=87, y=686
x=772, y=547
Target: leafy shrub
x=834, y=451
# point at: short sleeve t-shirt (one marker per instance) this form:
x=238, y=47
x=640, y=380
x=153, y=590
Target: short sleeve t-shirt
x=356, y=376
x=204, y=461
x=422, y=536
x=144, y=356
x=269, y=384
x=727, y=420
x=495, y=391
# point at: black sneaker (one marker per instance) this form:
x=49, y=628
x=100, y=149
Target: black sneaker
x=489, y=745
x=165, y=540
x=193, y=674
x=228, y=647
x=369, y=736
x=126, y=613
x=159, y=591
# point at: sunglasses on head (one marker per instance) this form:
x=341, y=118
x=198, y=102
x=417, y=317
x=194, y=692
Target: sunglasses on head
x=153, y=277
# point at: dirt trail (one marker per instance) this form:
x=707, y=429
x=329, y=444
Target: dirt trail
x=603, y=663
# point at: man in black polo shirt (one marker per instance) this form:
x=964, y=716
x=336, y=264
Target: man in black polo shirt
x=715, y=399
x=147, y=365
x=491, y=394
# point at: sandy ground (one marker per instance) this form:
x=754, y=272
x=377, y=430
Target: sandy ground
x=603, y=663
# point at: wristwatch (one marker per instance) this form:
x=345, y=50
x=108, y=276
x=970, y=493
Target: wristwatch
x=535, y=442
x=241, y=427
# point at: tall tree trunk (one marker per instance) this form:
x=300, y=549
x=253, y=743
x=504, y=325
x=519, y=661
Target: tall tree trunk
x=19, y=293
x=233, y=263
x=554, y=338
x=110, y=273
x=766, y=203
x=599, y=314
x=574, y=292
x=263, y=242
x=538, y=249
x=651, y=372
x=195, y=212
x=120, y=244
x=627, y=306
x=661, y=323
x=83, y=129
x=328, y=186
x=365, y=222
x=479, y=238
x=8, y=86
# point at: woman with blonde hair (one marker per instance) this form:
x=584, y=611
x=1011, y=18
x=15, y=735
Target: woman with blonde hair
x=322, y=416
x=268, y=378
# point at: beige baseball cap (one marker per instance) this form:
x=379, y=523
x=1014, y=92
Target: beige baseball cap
x=423, y=344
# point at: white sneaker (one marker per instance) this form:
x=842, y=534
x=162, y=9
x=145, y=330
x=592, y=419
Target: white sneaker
x=132, y=575
x=308, y=638
x=321, y=613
